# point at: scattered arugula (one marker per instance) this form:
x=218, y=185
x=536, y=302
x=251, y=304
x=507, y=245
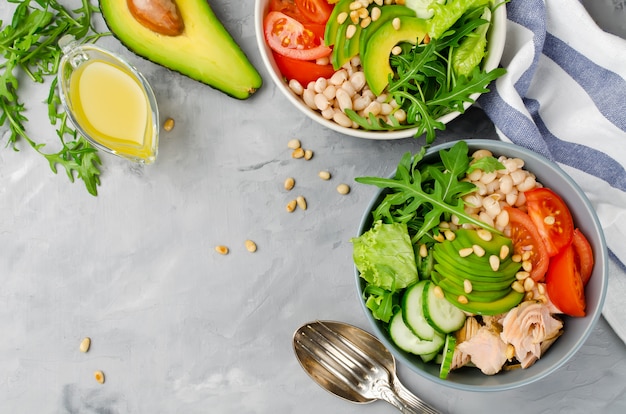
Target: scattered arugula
x=417, y=199
x=425, y=83
x=29, y=46
x=423, y=195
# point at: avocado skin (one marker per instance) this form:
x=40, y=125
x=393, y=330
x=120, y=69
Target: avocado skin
x=205, y=51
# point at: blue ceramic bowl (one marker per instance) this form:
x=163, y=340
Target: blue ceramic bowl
x=576, y=330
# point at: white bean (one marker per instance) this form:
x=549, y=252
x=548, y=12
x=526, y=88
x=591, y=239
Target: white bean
x=339, y=77
x=343, y=99
x=342, y=119
x=296, y=87
x=321, y=102
x=330, y=91
x=320, y=85
x=360, y=102
x=308, y=96
x=358, y=80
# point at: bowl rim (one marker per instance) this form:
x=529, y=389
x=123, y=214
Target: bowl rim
x=496, y=38
x=594, y=313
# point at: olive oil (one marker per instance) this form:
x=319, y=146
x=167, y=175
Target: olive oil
x=109, y=102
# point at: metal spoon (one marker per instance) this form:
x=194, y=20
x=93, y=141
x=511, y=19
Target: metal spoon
x=353, y=364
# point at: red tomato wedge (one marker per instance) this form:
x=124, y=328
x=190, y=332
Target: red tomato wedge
x=527, y=242
x=287, y=7
x=290, y=38
x=583, y=255
x=302, y=70
x=564, y=284
x=552, y=217
x=317, y=11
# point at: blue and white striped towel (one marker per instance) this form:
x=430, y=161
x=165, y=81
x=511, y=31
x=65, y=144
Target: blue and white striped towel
x=564, y=96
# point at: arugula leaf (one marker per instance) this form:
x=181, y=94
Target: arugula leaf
x=426, y=85
x=29, y=45
x=486, y=164
x=422, y=198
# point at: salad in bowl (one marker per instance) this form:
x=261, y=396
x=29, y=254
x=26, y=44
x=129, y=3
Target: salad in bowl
x=382, y=69
x=482, y=265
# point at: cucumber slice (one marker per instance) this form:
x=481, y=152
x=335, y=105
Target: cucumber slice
x=448, y=353
x=439, y=312
x=413, y=313
x=406, y=340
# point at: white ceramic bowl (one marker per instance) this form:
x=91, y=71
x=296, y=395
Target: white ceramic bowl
x=576, y=330
x=496, y=39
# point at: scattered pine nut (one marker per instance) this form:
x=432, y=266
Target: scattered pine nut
x=527, y=265
x=438, y=292
x=250, y=246
x=541, y=288
x=99, y=376
x=343, y=189
x=221, y=249
x=293, y=144
x=510, y=351
x=289, y=183
x=521, y=275
x=168, y=125
x=449, y=235
x=291, y=206
x=439, y=237
x=423, y=250
x=466, y=252
x=396, y=23
x=529, y=284
x=85, y=344
x=517, y=286
x=301, y=202
x=324, y=175
x=494, y=262
x=308, y=154
x=467, y=286
x=478, y=251
x=516, y=258
x=462, y=299
x=486, y=235
x=297, y=153
x=504, y=251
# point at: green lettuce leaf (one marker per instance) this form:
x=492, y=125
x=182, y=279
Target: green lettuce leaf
x=384, y=256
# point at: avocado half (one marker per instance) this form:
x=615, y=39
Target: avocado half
x=204, y=51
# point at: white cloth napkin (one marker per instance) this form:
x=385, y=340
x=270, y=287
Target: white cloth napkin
x=564, y=96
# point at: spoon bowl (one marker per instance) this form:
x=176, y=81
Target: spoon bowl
x=352, y=364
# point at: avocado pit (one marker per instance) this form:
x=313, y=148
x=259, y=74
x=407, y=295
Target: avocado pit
x=160, y=16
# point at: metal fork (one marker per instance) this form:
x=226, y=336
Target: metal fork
x=359, y=362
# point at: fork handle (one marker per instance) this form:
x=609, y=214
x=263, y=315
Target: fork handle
x=411, y=400
x=398, y=396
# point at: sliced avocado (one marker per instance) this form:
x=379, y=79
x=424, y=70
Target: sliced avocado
x=476, y=296
x=338, y=57
x=204, y=51
x=504, y=304
x=375, y=60
x=386, y=13
x=332, y=26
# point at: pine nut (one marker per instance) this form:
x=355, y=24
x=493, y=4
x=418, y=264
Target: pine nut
x=494, y=262
x=297, y=153
x=168, y=125
x=342, y=17
x=308, y=154
x=350, y=31
x=541, y=288
x=510, y=351
x=99, y=376
x=223, y=250
x=301, y=202
x=527, y=265
x=291, y=206
x=85, y=344
x=485, y=235
x=521, y=275
x=518, y=287
x=504, y=252
x=438, y=292
x=449, y=235
x=396, y=50
x=343, y=189
x=467, y=286
x=289, y=183
x=324, y=175
x=250, y=246
x=478, y=251
x=516, y=258
x=462, y=299
x=423, y=250
x=529, y=284
x=375, y=13
x=395, y=23
x=466, y=252
x=439, y=237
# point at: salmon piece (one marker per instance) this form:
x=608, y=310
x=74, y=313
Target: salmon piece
x=486, y=350
x=526, y=327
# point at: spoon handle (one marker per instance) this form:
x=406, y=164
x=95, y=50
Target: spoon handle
x=411, y=400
